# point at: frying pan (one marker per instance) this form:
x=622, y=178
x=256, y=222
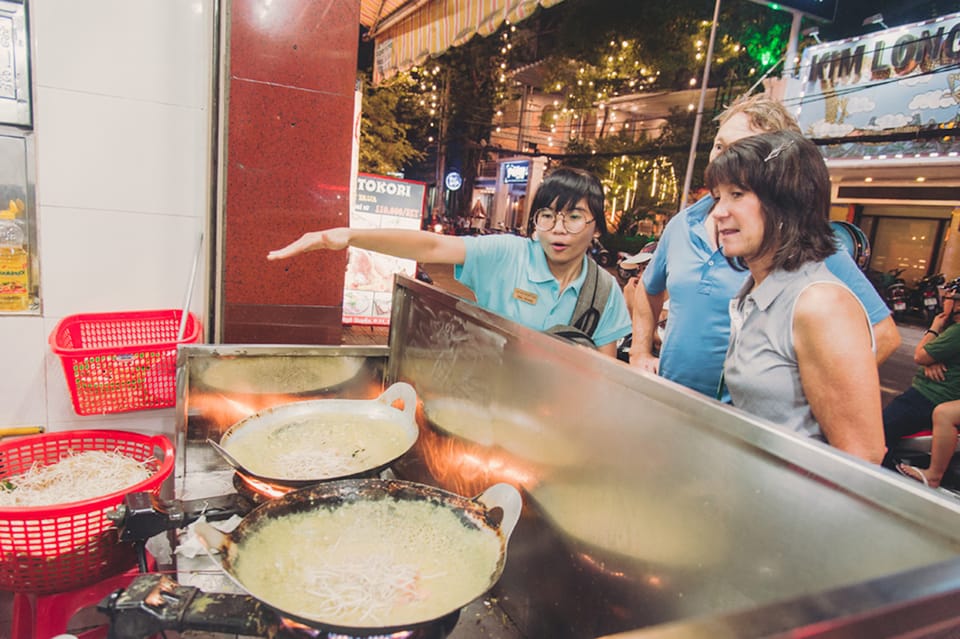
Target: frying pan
x=492, y=514
x=288, y=420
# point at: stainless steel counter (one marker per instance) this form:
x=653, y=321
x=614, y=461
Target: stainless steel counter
x=650, y=511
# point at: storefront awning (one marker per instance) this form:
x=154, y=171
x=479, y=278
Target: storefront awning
x=407, y=32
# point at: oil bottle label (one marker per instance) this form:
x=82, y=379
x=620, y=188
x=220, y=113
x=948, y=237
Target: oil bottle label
x=14, y=282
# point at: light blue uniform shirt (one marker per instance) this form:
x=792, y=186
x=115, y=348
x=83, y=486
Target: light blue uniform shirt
x=496, y=267
x=701, y=284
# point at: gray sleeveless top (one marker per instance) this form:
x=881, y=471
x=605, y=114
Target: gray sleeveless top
x=761, y=370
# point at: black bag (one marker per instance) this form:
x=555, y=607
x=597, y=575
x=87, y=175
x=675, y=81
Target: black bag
x=586, y=314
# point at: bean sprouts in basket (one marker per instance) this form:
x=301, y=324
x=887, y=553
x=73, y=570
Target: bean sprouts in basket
x=76, y=477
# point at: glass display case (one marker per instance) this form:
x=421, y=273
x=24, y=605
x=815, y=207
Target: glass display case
x=19, y=259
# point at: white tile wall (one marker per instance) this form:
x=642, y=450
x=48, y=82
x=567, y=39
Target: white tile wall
x=121, y=118
x=147, y=50
x=101, y=152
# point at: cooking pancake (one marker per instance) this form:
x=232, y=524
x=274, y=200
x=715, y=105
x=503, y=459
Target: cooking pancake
x=321, y=446
x=368, y=556
x=369, y=564
x=321, y=439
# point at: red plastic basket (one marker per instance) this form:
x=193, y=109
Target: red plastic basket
x=47, y=549
x=117, y=362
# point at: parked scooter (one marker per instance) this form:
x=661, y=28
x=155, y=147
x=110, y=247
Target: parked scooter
x=892, y=289
x=925, y=299
x=895, y=295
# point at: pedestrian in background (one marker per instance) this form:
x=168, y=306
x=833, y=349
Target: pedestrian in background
x=945, y=420
x=936, y=382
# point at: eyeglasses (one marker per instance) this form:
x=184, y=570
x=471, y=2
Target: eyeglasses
x=573, y=221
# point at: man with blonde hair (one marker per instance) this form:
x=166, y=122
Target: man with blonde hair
x=689, y=268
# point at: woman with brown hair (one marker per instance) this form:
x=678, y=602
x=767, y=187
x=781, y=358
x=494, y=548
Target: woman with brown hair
x=801, y=350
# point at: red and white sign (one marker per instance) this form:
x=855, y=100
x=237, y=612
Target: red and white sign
x=380, y=202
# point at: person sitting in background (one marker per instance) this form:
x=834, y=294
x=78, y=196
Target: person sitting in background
x=533, y=281
x=688, y=267
x=936, y=382
x=946, y=420
x=801, y=345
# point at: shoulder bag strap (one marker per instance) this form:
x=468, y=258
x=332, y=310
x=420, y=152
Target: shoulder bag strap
x=592, y=299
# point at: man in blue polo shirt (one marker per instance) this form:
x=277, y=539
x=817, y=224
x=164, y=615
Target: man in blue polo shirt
x=533, y=281
x=689, y=268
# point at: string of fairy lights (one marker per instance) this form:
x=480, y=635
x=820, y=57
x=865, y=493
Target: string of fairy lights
x=589, y=103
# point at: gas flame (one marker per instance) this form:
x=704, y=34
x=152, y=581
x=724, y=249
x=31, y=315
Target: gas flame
x=307, y=631
x=266, y=489
x=466, y=467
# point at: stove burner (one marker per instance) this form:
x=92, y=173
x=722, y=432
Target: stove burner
x=438, y=629
x=257, y=490
x=153, y=603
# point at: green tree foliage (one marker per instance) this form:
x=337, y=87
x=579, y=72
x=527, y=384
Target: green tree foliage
x=594, y=50
x=674, y=144
x=629, y=47
x=390, y=124
x=603, y=50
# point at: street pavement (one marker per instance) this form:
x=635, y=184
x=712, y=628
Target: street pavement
x=897, y=372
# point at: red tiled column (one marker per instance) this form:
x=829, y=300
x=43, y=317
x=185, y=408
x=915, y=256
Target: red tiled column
x=292, y=72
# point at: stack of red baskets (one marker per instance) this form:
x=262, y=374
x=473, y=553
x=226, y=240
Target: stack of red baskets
x=48, y=549
x=118, y=362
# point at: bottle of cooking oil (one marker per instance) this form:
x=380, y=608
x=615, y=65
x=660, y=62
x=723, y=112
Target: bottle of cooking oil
x=14, y=276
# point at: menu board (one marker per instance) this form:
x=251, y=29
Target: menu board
x=380, y=203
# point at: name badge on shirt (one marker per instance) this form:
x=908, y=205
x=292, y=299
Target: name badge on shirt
x=525, y=296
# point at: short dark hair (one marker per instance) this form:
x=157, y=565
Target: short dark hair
x=788, y=175
x=566, y=186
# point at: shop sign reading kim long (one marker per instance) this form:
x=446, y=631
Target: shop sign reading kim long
x=893, y=81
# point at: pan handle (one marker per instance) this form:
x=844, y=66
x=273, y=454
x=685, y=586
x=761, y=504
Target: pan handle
x=404, y=391
x=507, y=498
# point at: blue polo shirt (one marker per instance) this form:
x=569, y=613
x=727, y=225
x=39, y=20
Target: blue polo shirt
x=700, y=284
x=510, y=276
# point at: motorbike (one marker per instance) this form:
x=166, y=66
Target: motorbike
x=925, y=298
x=895, y=296
x=892, y=289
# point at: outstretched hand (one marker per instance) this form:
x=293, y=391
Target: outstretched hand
x=332, y=239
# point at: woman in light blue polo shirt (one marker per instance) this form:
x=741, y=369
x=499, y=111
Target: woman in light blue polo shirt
x=533, y=281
